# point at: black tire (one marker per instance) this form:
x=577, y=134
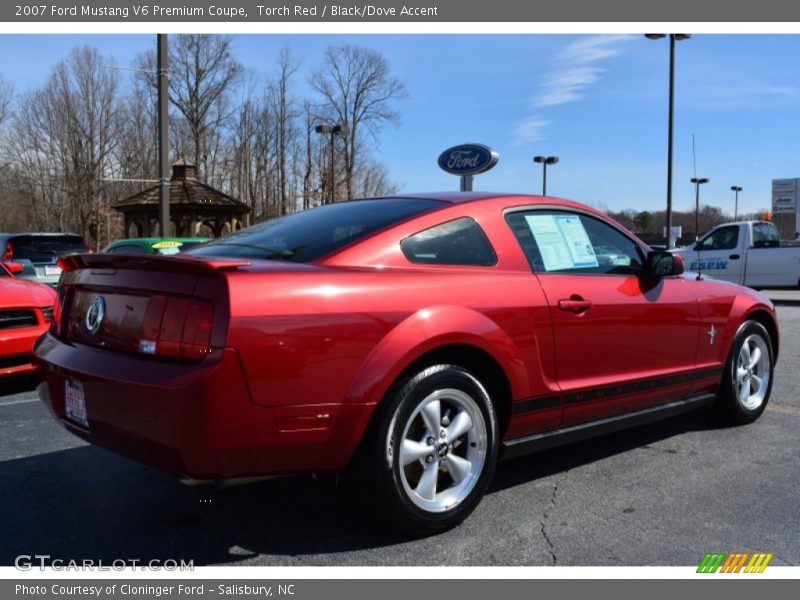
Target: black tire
x=380, y=456
x=729, y=405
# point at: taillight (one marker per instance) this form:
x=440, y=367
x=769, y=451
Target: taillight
x=178, y=327
x=58, y=312
x=9, y=253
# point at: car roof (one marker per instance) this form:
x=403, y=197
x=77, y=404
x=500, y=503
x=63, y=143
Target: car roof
x=40, y=233
x=155, y=240
x=458, y=197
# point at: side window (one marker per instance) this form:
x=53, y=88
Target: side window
x=128, y=249
x=459, y=242
x=564, y=242
x=724, y=238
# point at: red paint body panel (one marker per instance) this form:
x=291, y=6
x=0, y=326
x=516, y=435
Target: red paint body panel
x=16, y=344
x=301, y=354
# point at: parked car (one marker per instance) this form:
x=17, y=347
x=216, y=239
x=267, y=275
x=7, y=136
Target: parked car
x=26, y=309
x=38, y=253
x=749, y=253
x=154, y=245
x=412, y=341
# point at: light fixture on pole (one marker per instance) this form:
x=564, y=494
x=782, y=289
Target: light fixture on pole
x=333, y=130
x=736, y=189
x=697, y=183
x=673, y=37
x=545, y=160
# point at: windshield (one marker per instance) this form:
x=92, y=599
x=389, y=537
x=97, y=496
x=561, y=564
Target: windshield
x=311, y=234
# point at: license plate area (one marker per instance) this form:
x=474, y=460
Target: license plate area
x=75, y=402
x=52, y=270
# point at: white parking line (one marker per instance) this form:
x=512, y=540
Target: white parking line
x=19, y=402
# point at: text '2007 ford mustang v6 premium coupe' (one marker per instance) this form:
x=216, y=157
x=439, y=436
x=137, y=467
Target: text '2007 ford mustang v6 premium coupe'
x=413, y=340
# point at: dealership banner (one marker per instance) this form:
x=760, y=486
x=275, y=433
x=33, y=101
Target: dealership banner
x=254, y=11
x=397, y=589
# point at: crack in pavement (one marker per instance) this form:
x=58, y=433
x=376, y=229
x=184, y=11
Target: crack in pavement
x=546, y=515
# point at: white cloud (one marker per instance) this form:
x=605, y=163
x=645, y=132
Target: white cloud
x=576, y=68
x=594, y=48
x=530, y=130
x=567, y=85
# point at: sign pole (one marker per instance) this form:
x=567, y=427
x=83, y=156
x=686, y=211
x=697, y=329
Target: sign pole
x=466, y=183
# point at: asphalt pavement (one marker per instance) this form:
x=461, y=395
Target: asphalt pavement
x=662, y=494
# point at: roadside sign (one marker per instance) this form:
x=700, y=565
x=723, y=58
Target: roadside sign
x=784, y=196
x=467, y=160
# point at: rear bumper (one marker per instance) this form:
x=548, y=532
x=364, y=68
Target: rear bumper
x=16, y=350
x=194, y=420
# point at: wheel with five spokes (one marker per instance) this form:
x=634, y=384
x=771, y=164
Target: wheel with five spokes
x=435, y=443
x=747, y=381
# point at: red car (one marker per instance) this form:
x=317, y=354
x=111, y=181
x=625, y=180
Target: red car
x=413, y=340
x=26, y=309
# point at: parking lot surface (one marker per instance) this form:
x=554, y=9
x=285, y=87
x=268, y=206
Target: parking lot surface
x=662, y=494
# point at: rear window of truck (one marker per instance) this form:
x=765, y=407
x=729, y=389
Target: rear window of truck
x=43, y=248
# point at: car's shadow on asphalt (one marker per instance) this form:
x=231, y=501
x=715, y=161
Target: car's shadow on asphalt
x=88, y=503
x=521, y=470
x=779, y=302
x=17, y=384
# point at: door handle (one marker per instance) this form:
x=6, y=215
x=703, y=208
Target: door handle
x=734, y=257
x=574, y=304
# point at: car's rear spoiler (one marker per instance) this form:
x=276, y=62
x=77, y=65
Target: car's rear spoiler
x=187, y=263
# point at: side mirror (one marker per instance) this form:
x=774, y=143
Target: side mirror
x=14, y=268
x=663, y=264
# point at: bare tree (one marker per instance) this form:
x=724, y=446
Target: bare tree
x=372, y=179
x=252, y=137
x=285, y=114
x=6, y=98
x=357, y=88
x=203, y=71
x=66, y=139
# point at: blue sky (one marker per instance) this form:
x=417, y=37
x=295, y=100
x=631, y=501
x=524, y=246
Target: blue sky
x=598, y=102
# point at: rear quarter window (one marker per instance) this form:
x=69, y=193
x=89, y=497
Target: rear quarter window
x=457, y=242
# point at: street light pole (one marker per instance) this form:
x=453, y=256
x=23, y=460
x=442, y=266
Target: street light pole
x=333, y=130
x=697, y=183
x=736, y=190
x=162, y=62
x=545, y=160
x=673, y=37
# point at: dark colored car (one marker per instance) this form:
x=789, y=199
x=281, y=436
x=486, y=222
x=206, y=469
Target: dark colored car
x=411, y=340
x=38, y=253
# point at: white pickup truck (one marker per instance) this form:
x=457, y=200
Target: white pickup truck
x=748, y=252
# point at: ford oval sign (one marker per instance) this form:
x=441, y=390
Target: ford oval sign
x=468, y=159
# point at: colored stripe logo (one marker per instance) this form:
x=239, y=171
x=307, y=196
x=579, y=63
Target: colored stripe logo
x=735, y=562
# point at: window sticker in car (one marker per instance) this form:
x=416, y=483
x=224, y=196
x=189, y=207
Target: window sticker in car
x=562, y=241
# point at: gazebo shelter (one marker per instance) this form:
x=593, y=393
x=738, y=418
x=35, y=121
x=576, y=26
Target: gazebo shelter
x=193, y=207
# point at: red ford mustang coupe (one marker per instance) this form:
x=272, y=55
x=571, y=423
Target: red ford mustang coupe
x=417, y=339
x=25, y=312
